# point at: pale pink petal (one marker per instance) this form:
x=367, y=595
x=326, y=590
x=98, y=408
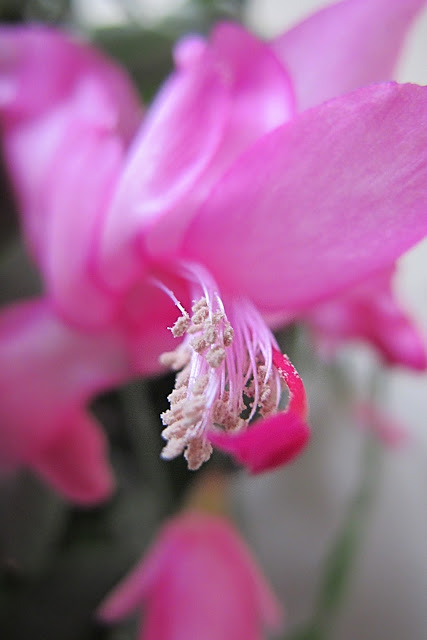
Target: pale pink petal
x=388, y=430
x=370, y=312
x=87, y=163
x=345, y=46
x=48, y=81
x=48, y=374
x=178, y=138
x=204, y=575
x=322, y=203
x=227, y=92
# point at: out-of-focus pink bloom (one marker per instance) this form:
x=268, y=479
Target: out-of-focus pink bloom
x=342, y=47
x=226, y=198
x=197, y=581
x=390, y=432
x=369, y=312
x=49, y=373
x=67, y=116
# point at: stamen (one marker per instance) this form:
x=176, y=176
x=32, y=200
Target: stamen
x=232, y=371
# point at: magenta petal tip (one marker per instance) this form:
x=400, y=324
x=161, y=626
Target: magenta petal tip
x=267, y=444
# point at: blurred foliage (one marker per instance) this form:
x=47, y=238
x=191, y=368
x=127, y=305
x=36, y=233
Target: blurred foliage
x=50, y=11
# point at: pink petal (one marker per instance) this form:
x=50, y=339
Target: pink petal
x=179, y=135
x=204, y=573
x=227, y=92
x=371, y=312
x=48, y=373
x=261, y=98
x=345, y=46
x=266, y=445
x=76, y=198
x=75, y=462
x=48, y=81
x=319, y=204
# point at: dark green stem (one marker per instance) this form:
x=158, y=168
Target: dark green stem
x=340, y=560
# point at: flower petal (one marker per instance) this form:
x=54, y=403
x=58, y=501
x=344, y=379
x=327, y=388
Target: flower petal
x=213, y=588
x=266, y=445
x=76, y=199
x=345, y=46
x=178, y=138
x=48, y=81
x=226, y=93
x=370, y=312
x=324, y=201
x=48, y=373
x=75, y=461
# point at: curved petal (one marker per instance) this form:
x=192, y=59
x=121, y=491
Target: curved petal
x=178, y=138
x=370, y=312
x=345, y=46
x=48, y=81
x=48, y=373
x=266, y=445
x=226, y=93
x=213, y=588
x=75, y=461
x=87, y=163
x=319, y=204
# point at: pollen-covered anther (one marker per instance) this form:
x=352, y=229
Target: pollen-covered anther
x=177, y=395
x=175, y=360
x=228, y=335
x=181, y=325
x=215, y=356
x=200, y=311
x=176, y=431
x=199, y=450
x=200, y=385
x=193, y=410
x=210, y=334
x=182, y=378
x=217, y=317
x=201, y=388
x=173, y=448
x=198, y=344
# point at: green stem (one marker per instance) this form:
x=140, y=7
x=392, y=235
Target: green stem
x=340, y=560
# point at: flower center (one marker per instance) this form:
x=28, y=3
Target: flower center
x=229, y=370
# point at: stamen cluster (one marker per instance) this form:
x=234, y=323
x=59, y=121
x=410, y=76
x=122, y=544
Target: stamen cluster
x=225, y=378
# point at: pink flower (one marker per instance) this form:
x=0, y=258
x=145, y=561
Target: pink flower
x=227, y=205
x=370, y=312
x=63, y=109
x=197, y=581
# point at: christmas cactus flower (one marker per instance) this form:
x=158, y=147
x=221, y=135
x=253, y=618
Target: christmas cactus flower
x=63, y=109
x=227, y=207
x=197, y=581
